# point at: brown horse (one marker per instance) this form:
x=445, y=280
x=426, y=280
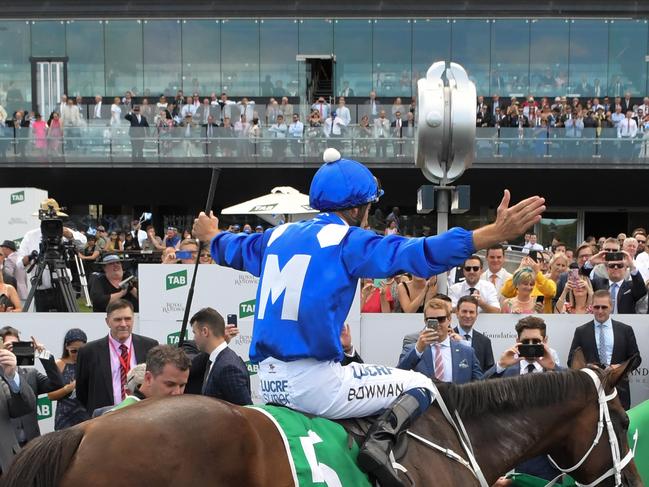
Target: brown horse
x=198, y=441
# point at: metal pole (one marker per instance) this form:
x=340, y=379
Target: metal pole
x=443, y=205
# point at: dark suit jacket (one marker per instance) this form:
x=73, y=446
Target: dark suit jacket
x=197, y=370
x=513, y=371
x=624, y=347
x=482, y=348
x=26, y=427
x=228, y=380
x=465, y=364
x=136, y=129
x=628, y=295
x=12, y=405
x=94, y=378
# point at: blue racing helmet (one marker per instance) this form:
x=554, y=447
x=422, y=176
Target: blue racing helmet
x=342, y=183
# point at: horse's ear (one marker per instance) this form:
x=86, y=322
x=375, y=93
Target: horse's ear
x=618, y=372
x=578, y=359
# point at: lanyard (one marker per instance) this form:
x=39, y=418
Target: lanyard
x=125, y=364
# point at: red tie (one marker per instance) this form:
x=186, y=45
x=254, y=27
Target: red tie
x=124, y=365
x=439, y=363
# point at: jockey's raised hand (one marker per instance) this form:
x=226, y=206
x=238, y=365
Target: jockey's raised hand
x=205, y=227
x=510, y=221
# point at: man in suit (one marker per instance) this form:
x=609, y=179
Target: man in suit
x=624, y=293
x=102, y=364
x=137, y=132
x=16, y=399
x=26, y=427
x=211, y=133
x=467, y=314
x=436, y=355
x=530, y=330
x=226, y=376
x=374, y=106
x=605, y=341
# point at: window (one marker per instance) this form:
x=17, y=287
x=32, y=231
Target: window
x=626, y=56
x=589, y=58
x=392, y=58
x=510, y=57
x=201, y=56
x=85, y=49
x=240, y=57
x=468, y=48
x=15, y=70
x=162, y=62
x=353, y=48
x=431, y=41
x=278, y=46
x=48, y=38
x=316, y=36
x=549, y=44
x=124, y=67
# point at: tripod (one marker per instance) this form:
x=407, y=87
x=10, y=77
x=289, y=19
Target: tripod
x=52, y=259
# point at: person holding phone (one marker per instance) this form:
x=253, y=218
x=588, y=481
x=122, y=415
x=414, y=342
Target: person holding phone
x=541, y=289
x=115, y=283
x=577, y=295
x=185, y=254
x=435, y=354
x=376, y=297
x=625, y=293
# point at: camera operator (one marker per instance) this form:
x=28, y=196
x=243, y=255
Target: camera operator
x=115, y=283
x=46, y=297
x=26, y=427
x=16, y=399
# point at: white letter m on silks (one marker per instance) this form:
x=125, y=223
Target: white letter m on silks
x=290, y=279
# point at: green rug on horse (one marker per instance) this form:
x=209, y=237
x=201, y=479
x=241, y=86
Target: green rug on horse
x=319, y=450
x=639, y=419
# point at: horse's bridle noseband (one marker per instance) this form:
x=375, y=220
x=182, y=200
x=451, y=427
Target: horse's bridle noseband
x=604, y=418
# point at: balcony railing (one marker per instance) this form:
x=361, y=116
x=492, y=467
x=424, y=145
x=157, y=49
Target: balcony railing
x=93, y=146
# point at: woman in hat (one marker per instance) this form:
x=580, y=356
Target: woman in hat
x=111, y=285
x=69, y=410
x=9, y=299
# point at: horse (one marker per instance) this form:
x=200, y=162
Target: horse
x=194, y=440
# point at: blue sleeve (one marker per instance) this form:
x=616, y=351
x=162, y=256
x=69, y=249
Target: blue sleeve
x=239, y=250
x=409, y=359
x=367, y=254
x=476, y=373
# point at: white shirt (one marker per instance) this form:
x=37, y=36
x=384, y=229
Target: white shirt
x=98, y=110
x=323, y=109
x=381, y=127
x=445, y=350
x=296, y=129
x=141, y=236
x=501, y=276
x=487, y=292
x=333, y=126
x=115, y=114
x=528, y=246
x=343, y=113
x=524, y=363
x=642, y=264
x=32, y=241
x=215, y=353
x=278, y=130
x=627, y=128
x=247, y=110
x=189, y=109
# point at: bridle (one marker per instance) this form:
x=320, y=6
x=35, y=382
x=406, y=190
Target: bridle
x=604, y=419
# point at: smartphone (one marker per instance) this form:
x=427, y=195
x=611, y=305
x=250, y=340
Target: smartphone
x=183, y=254
x=531, y=350
x=534, y=255
x=539, y=299
x=432, y=324
x=574, y=275
x=232, y=320
x=24, y=352
x=378, y=283
x=613, y=256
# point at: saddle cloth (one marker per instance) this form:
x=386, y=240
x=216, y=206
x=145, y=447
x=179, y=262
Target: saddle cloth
x=318, y=450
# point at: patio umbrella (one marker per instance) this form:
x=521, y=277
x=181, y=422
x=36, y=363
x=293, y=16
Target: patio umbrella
x=283, y=204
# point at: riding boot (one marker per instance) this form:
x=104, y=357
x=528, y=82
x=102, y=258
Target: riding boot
x=374, y=455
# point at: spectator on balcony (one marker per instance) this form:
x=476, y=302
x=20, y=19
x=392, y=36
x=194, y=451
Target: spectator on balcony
x=627, y=128
x=137, y=131
x=574, y=126
x=630, y=246
x=363, y=136
x=381, y=133
x=39, y=131
x=516, y=119
x=204, y=112
x=278, y=133
x=373, y=106
x=226, y=133
x=483, y=118
x=321, y=107
x=272, y=110
x=343, y=112
x=162, y=103
x=190, y=136
x=346, y=91
x=210, y=132
x=116, y=113
x=397, y=106
x=127, y=100
x=54, y=134
x=286, y=108
x=247, y=108
x=188, y=108
x=152, y=242
x=295, y=133
x=617, y=117
x=333, y=130
x=254, y=136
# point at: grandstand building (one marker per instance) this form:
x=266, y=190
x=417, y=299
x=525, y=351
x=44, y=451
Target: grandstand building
x=594, y=180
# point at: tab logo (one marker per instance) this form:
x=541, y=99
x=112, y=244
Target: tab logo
x=44, y=408
x=18, y=197
x=247, y=308
x=176, y=279
x=174, y=338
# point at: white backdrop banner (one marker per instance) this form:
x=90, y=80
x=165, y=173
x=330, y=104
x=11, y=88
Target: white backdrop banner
x=17, y=206
x=382, y=338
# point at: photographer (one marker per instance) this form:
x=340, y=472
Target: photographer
x=113, y=284
x=46, y=297
x=16, y=399
x=26, y=427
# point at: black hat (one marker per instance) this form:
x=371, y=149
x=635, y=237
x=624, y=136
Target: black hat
x=10, y=244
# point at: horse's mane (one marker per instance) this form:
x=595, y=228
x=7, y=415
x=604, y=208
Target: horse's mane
x=516, y=393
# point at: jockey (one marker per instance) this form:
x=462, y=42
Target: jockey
x=308, y=275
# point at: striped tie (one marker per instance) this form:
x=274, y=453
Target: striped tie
x=439, y=363
x=122, y=371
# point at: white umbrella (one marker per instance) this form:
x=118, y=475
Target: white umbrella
x=283, y=204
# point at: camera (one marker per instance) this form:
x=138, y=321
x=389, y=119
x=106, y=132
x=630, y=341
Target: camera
x=531, y=350
x=613, y=256
x=51, y=226
x=24, y=352
x=432, y=324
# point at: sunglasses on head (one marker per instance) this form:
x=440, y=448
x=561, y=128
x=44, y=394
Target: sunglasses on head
x=615, y=265
x=474, y=268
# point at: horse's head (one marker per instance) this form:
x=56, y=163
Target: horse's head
x=604, y=457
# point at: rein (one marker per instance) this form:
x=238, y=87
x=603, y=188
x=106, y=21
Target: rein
x=604, y=419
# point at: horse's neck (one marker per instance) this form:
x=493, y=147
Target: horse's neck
x=505, y=439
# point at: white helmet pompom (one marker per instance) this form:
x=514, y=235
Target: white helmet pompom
x=331, y=155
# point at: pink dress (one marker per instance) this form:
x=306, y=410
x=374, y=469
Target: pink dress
x=39, y=128
x=55, y=134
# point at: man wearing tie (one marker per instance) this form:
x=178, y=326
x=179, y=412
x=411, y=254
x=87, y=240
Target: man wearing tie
x=624, y=293
x=321, y=107
x=96, y=113
x=226, y=376
x=467, y=314
x=397, y=133
x=606, y=342
x=496, y=273
x=381, y=133
x=374, y=106
x=137, y=132
x=436, y=355
x=210, y=133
